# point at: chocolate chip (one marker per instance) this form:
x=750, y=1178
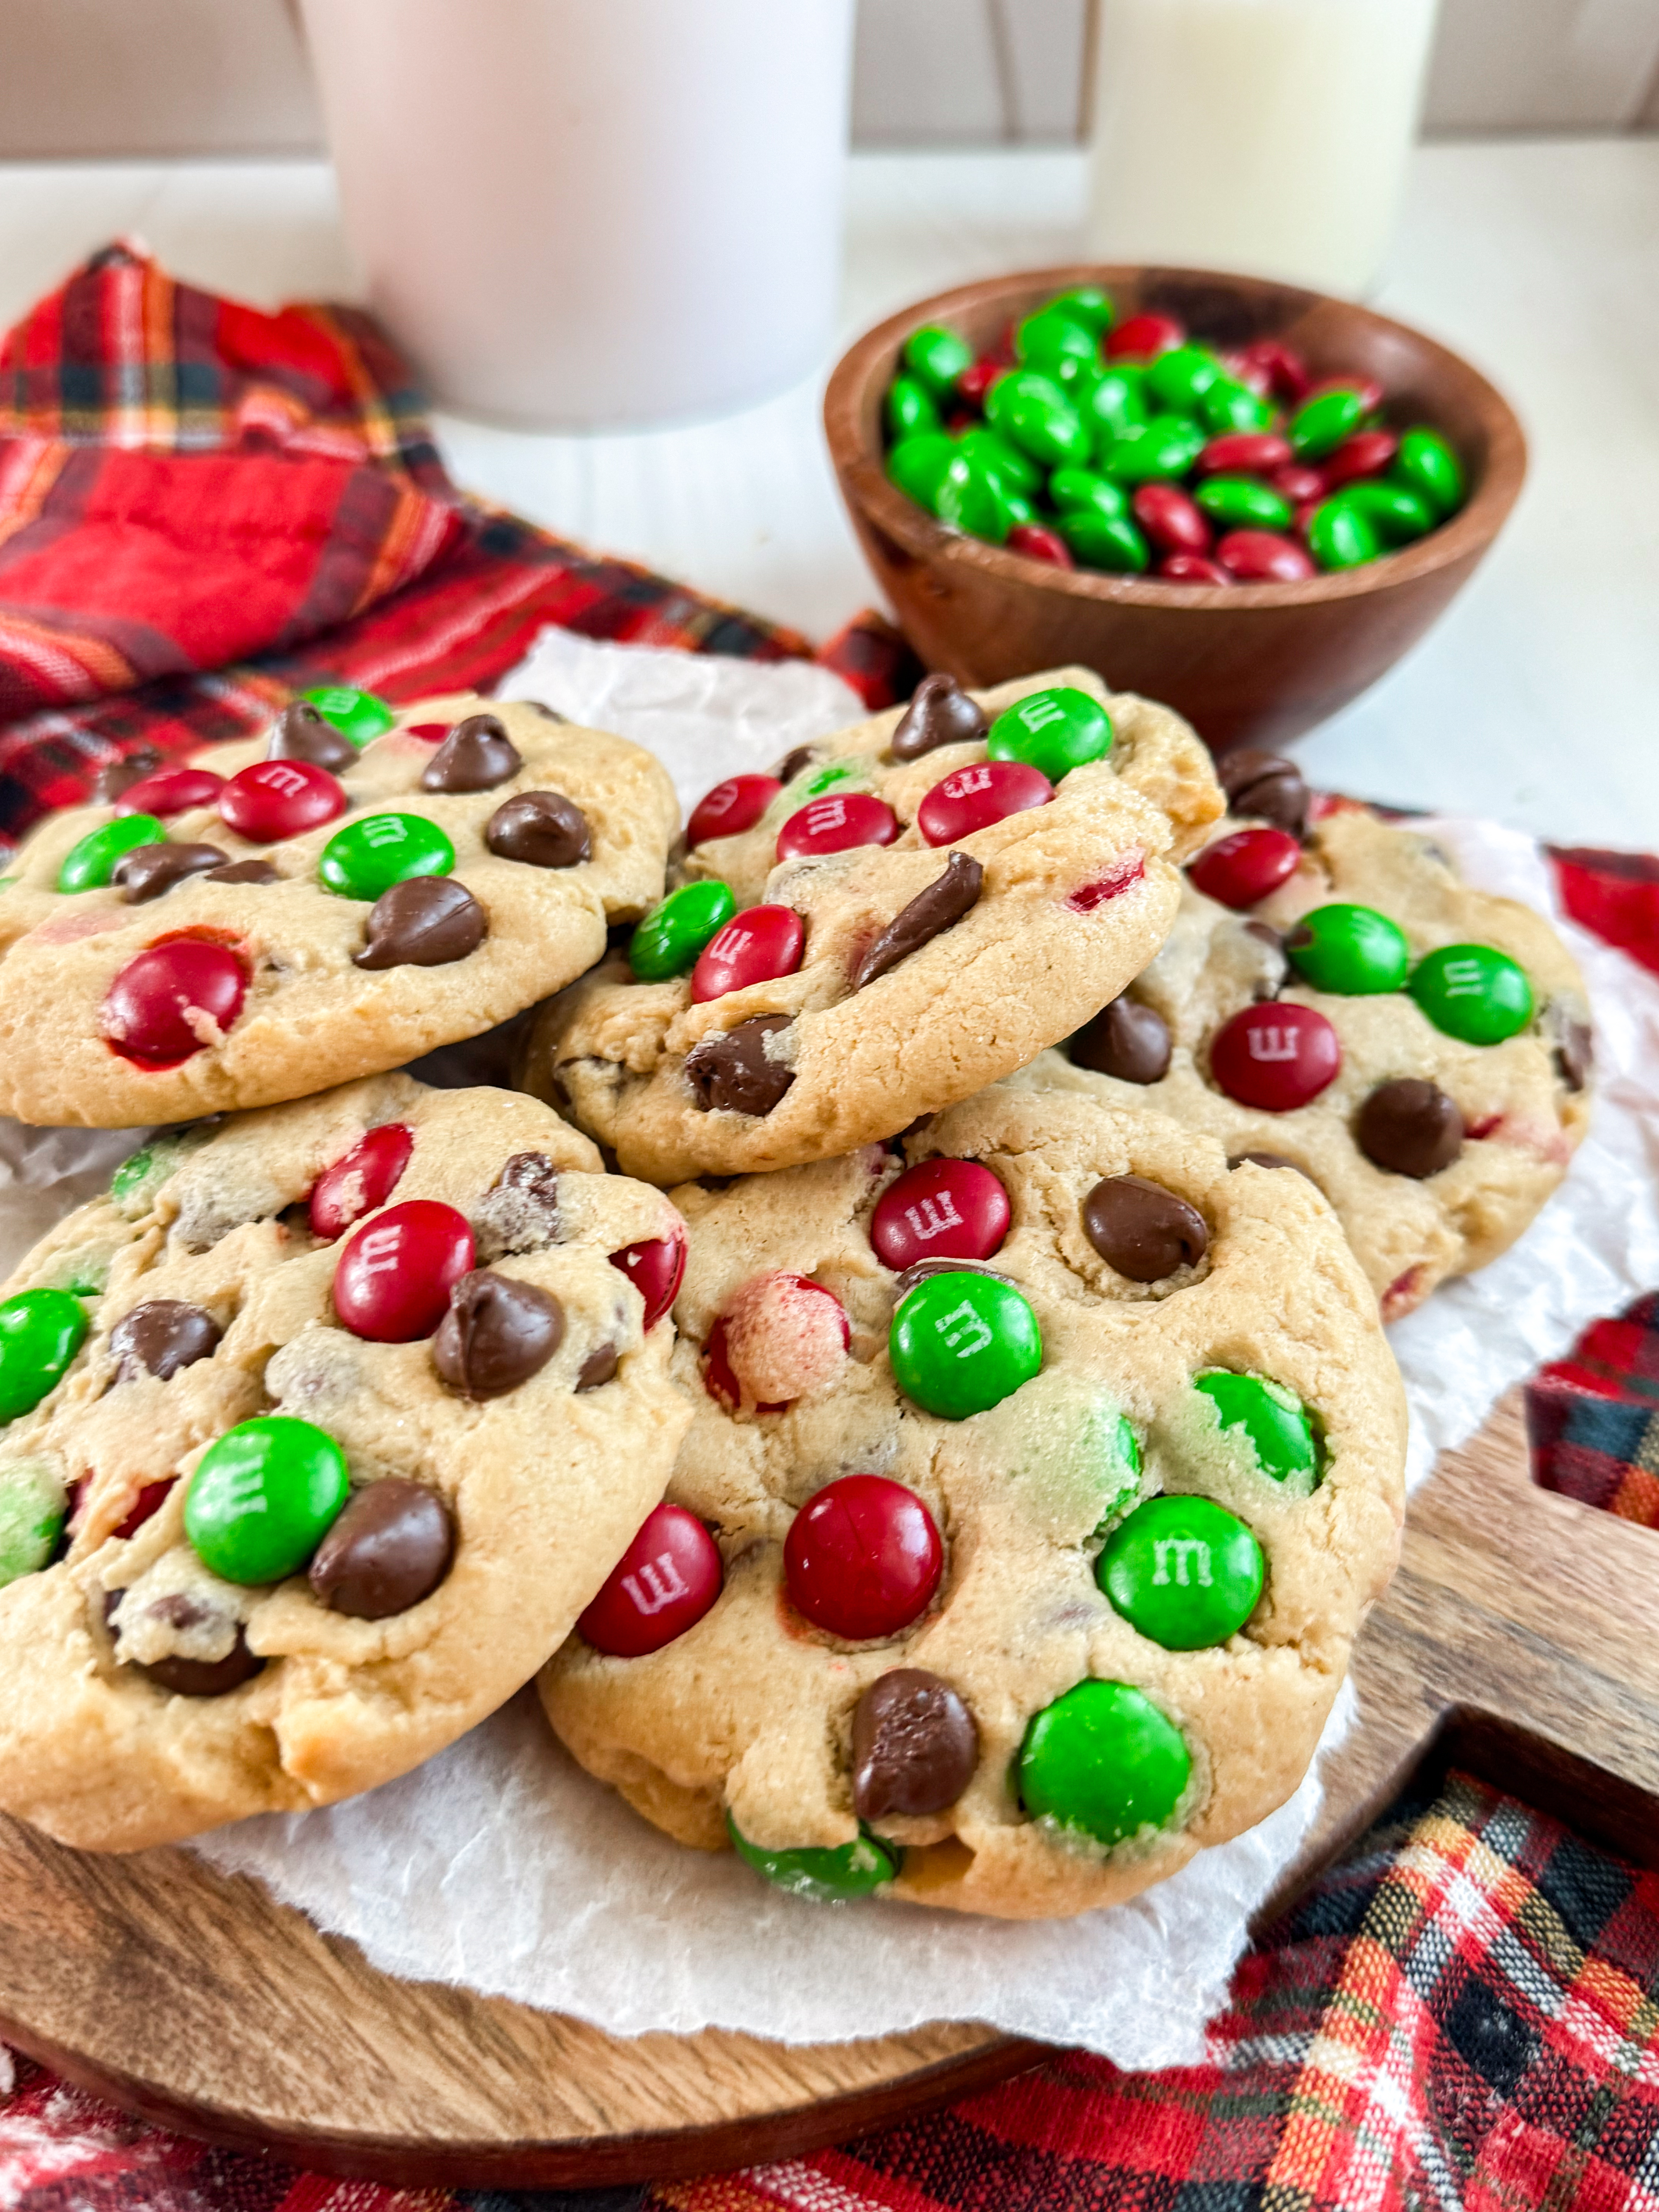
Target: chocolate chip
x=1410, y=1127
x=940, y=713
x=540, y=707
x=162, y=1336
x=497, y=1334
x=204, y=1678
x=244, y=872
x=1575, y=1052
x=302, y=734
x=920, y=1270
x=600, y=1365
x=390, y=1548
x=519, y=1212
x=147, y=871
x=795, y=763
x=1141, y=1229
x=730, y=1072
x=938, y=908
x=476, y=755
x=121, y=775
x=535, y=1175
x=1266, y=1160
x=1266, y=786
x=426, y=922
x=914, y=1746
x=543, y=829
x=1125, y=1039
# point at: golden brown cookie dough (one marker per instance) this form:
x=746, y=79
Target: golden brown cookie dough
x=311, y=1015
x=211, y=1302
x=1074, y=897
x=1524, y=1104
x=755, y=1714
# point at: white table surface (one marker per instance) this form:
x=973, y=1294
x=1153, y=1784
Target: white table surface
x=1536, y=699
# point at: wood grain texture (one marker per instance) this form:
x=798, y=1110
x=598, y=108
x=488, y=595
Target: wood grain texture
x=1520, y=1637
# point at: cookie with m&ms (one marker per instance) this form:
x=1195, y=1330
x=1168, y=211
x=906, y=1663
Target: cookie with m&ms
x=1334, y=1000
x=337, y=897
x=891, y=922
x=318, y=1431
x=1040, y=1474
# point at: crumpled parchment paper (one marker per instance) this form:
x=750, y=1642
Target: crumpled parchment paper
x=501, y=1865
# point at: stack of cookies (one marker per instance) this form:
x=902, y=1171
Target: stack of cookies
x=904, y=1368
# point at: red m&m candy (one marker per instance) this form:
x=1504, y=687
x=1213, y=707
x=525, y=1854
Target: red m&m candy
x=430, y=734
x=939, y=1209
x=280, y=798
x=1244, y=452
x=1192, y=568
x=754, y=946
x=834, y=824
x=1143, y=337
x=394, y=1277
x=663, y=1584
x=781, y=1337
x=973, y=798
x=1275, y=1056
x=360, y=1180
x=1262, y=557
x=1173, y=522
x=731, y=807
x=863, y=1558
x=1286, y=370
x=173, y=1001
x=1366, y=453
x=656, y=1269
x=1240, y=869
x=171, y=791
x=1038, y=544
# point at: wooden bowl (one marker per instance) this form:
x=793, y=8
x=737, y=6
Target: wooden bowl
x=1245, y=662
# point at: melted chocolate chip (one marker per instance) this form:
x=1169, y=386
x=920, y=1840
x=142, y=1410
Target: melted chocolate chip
x=540, y=707
x=191, y=1678
x=476, y=755
x=1143, y=1230
x=940, y=713
x=543, y=829
x=1125, y=1039
x=497, y=1334
x=162, y=1336
x=914, y=1746
x=390, y=1548
x=535, y=1175
x=426, y=922
x=600, y=1365
x=519, y=1212
x=244, y=872
x=1266, y=1160
x=920, y=1270
x=120, y=776
x=1575, y=1052
x=147, y=871
x=1266, y=786
x=302, y=734
x=730, y=1072
x=932, y=912
x=795, y=763
x=1410, y=1127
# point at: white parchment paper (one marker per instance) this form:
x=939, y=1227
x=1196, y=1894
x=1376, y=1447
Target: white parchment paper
x=501, y=1865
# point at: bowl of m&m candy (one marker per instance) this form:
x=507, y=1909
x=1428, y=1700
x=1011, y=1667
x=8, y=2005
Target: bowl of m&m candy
x=1238, y=497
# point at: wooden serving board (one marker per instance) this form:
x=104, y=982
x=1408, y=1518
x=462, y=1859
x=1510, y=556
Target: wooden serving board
x=1520, y=1638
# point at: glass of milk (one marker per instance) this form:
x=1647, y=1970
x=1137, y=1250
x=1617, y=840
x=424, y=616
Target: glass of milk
x=1265, y=137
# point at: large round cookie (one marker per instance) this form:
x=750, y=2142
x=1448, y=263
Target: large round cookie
x=1435, y=1149
x=217, y=1629
x=1026, y=1737
x=166, y=988
x=854, y=988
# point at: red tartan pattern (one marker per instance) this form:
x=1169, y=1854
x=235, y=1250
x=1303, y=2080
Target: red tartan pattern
x=1593, y=1418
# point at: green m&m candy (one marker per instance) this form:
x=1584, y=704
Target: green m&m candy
x=827, y=777
x=1088, y=305
x=1052, y=433
x=368, y=856
x=1055, y=731
x=1051, y=336
x=960, y=1343
x=1114, y=543
x=1320, y=424
x=262, y=1497
x=910, y=409
x=1018, y=471
x=1104, y=1760
x=936, y=357
x=918, y=465
x=1428, y=464
x=1077, y=374
x=1244, y=503
x=669, y=939
x=1178, y=380
x=1119, y=398
x=1072, y=491
x=829, y=1875
x=1154, y=452
x=1394, y=511
x=1273, y=1420
x=1184, y=1572
x=1350, y=950
x=41, y=1332
x=355, y=714
x=1473, y=992
x=972, y=498
x=1229, y=405
x=88, y=866
x=1340, y=537
x=33, y=1506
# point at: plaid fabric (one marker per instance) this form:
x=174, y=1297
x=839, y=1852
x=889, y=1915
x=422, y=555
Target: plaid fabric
x=1463, y=2016
x=1593, y=1418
